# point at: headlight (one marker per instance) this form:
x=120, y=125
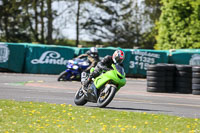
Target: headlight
x=75, y=67
x=70, y=61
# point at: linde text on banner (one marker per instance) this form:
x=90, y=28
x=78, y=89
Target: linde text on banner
x=50, y=57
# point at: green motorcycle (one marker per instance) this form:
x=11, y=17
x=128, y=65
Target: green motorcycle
x=103, y=88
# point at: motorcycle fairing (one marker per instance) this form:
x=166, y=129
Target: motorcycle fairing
x=92, y=93
x=110, y=75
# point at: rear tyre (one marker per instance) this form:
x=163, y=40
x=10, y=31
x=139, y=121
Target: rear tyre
x=79, y=98
x=105, y=98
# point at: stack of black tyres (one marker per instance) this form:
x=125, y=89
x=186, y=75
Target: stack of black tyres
x=161, y=78
x=196, y=80
x=156, y=78
x=183, y=82
x=170, y=74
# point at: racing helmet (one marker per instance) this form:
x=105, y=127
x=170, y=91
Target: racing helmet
x=93, y=52
x=118, y=56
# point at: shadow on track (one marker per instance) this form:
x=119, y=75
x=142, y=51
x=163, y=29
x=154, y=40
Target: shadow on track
x=132, y=109
x=136, y=109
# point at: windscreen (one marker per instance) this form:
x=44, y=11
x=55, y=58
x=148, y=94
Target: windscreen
x=120, y=69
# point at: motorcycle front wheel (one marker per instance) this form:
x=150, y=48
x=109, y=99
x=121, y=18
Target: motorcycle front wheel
x=63, y=76
x=79, y=98
x=106, y=97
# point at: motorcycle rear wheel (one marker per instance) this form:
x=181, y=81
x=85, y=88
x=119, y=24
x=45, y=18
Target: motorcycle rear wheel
x=105, y=99
x=79, y=98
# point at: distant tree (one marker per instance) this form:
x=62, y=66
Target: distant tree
x=179, y=25
x=77, y=21
x=153, y=9
x=123, y=23
x=35, y=8
x=42, y=16
x=149, y=38
x=27, y=21
x=12, y=22
x=31, y=14
x=114, y=21
x=151, y=14
x=50, y=22
x=79, y=13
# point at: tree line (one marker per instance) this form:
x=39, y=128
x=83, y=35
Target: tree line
x=26, y=21
x=179, y=25
x=120, y=23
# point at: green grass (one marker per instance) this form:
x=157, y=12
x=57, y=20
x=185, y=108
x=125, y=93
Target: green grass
x=28, y=117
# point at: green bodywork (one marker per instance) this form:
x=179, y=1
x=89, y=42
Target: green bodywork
x=113, y=75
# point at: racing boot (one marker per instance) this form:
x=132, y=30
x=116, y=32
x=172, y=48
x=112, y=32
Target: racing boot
x=89, y=79
x=86, y=83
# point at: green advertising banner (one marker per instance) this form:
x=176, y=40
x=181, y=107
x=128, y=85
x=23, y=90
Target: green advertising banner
x=185, y=56
x=12, y=56
x=107, y=51
x=102, y=51
x=47, y=59
x=52, y=59
x=137, y=60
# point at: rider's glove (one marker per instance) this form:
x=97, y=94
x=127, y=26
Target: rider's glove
x=106, y=69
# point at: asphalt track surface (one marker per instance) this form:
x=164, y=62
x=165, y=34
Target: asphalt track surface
x=132, y=97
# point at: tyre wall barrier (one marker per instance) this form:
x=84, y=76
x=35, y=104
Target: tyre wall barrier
x=47, y=59
x=168, y=78
x=102, y=51
x=12, y=56
x=160, y=78
x=27, y=58
x=137, y=60
x=156, y=78
x=34, y=58
x=183, y=81
x=185, y=56
x=196, y=80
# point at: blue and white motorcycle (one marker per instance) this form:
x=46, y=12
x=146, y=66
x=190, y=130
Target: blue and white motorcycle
x=74, y=69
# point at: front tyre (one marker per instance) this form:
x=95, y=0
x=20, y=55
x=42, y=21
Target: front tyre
x=63, y=76
x=79, y=98
x=106, y=97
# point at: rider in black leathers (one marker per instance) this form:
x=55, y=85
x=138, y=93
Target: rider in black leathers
x=92, y=57
x=105, y=64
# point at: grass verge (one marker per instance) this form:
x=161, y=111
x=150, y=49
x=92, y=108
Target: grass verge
x=27, y=117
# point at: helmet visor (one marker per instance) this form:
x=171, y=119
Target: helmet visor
x=119, y=60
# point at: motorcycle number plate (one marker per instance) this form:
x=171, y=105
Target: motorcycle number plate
x=83, y=74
